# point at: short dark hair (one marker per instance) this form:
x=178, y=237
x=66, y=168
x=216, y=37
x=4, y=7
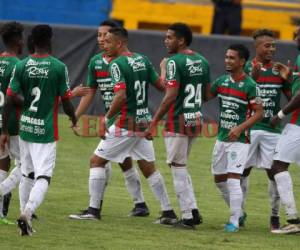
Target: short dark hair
x=11, y=32
x=41, y=35
x=119, y=32
x=109, y=23
x=182, y=31
x=241, y=49
x=263, y=32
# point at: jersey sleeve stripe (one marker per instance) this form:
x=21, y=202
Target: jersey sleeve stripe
x=119, y=86
x=172, y=84
x=10, y=92
x=67, y=95
x=295, y=116
x=232, y=92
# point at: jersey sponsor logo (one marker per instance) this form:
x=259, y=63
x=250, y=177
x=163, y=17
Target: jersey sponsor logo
x=98, y=62
x=32, y=62
x=34, y=72
x=194, y=67
x=230, y=114
x=116, y=74
x=137, y=63
x=171, y=69
x=4, y=62
x=2, y=71
x=33, y=121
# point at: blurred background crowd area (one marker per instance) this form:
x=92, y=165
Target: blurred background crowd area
x=281, y=16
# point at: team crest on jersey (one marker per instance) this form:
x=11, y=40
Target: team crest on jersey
x=241, y=84
x=171, y=69
x=2, y=70
x=116, y=72
x=275, y=72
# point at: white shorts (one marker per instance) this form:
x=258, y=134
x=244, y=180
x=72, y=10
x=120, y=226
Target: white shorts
x=288, y=146
x=178, y=147
x=229, y=157
x=120, y=143
x=12, y=150
x=38, y=158
x=261, y=149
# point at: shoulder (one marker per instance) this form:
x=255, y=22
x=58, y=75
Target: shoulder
x=96, y=57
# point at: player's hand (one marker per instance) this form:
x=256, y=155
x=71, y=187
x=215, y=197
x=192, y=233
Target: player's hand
x=284, y=70
x=103, y=127
x=80, y=91
x=151, y=131
x=234, y=134
x=4, y=140
x=256, y=68
x=274, y=121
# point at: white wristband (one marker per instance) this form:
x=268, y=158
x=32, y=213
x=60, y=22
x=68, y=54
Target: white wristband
x=106, y=120
x=281, y=115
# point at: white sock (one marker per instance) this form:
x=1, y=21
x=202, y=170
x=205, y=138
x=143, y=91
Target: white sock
x=133, y=184
x=182, y=190
x=274, y=198
x=11, y=181
x=3, y=175
x=236, y=198
x=25, y=187
x=97, y=183
x=285, y=189
x=192, y=193
x=37, y=195
x=222, y=186
x=245, y=188
x=158, y=187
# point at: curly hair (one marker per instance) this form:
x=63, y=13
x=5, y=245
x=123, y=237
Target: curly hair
x=263, y=32
x=11, y=32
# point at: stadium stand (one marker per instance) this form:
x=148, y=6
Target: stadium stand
x=79, y=12
x=157, y=15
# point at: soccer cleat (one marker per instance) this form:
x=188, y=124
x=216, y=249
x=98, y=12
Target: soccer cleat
x=167, y=218
x=4, y=221
x=187, y=224
x=197, y=218
x=242, y=220
x=139, y=210
x=230, y=228
x=88, y=214
x=274, y=223
x=6, y=202
x=24, y=225
x=288, y=229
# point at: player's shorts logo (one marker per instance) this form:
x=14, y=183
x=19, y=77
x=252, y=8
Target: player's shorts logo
x=233, y=155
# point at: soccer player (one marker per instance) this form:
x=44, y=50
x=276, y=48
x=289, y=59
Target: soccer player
x=271, y=83
x=187, y=76
x=12, y=35
x=287, y=150
x=98, y=77
x=41, y=79
x=237, y=93
x=131, y=75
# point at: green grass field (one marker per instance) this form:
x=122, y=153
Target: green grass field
x=68, y=193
